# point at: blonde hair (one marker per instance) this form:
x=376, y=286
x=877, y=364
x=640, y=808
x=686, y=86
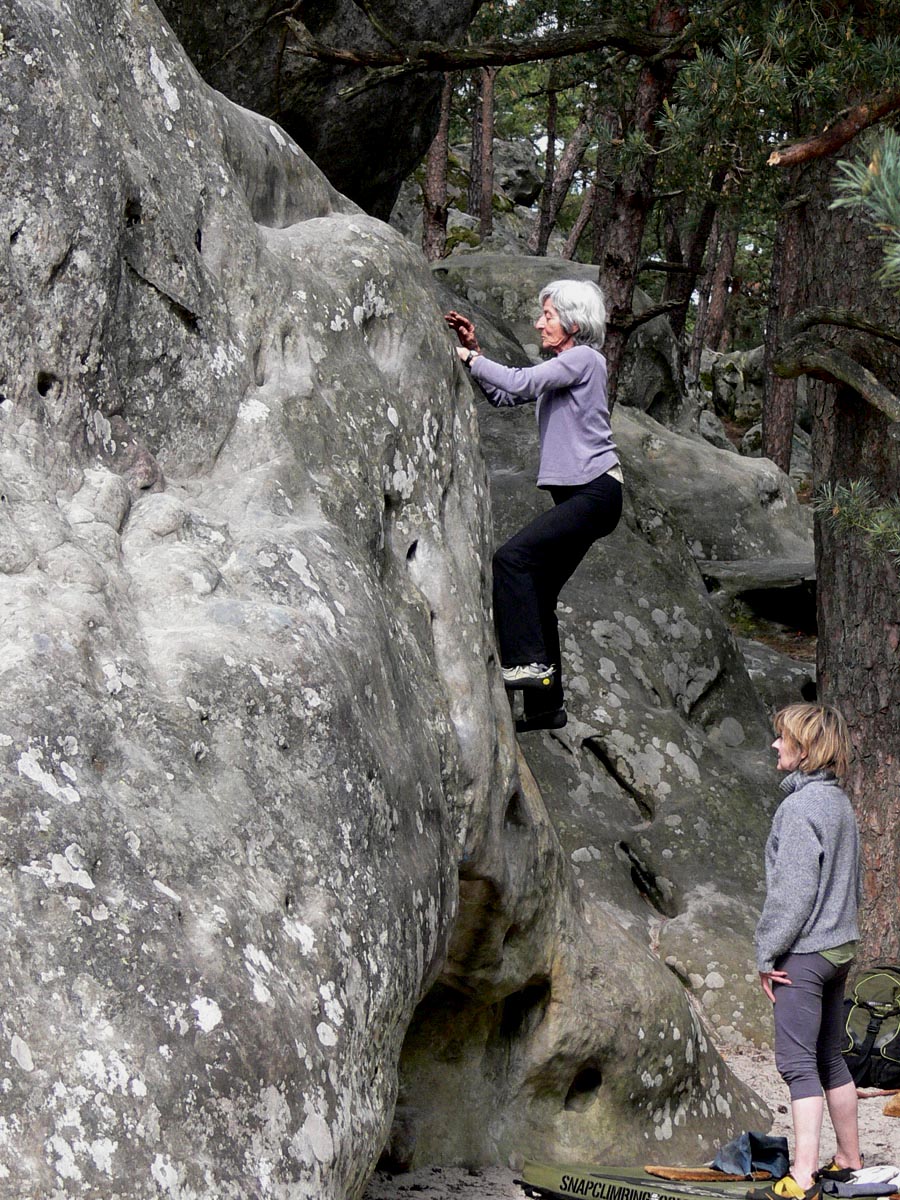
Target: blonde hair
x=820, y=734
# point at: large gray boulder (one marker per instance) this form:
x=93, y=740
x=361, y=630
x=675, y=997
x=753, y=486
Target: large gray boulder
x=367, y=140
x=727, y=505
x=265, y=835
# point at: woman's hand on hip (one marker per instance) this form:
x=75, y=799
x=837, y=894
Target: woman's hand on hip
x=768, y=978
x=464, y=330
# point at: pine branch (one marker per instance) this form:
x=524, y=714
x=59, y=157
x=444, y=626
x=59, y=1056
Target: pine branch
x=838, y=134
x=666, y=268
x=495, y=52
x=856, y=508
x=808, y=355
x=844, y=318
x=501, y=52
x=630, y=323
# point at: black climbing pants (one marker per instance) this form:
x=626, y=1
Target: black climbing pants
x=531, y=569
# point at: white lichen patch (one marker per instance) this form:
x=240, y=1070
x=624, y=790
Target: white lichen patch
x=209, y=1015
x=252, y=411
x=21, y=1053
x=300, y=934
x=160, y=73
x=374, y=304
x=258, y=965
x=29, y=765
x=326, y=1034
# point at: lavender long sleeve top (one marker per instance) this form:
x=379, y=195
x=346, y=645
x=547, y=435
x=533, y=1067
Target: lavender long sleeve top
x=572, y=412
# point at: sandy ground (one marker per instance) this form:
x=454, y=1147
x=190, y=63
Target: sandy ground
x=879, y=1140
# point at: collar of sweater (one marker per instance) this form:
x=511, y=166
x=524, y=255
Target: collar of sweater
x=799, y=779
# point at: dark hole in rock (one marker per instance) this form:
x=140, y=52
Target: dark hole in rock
x=516, y=816
x=809, y=691
x=646, y=884
x=524, y=1010
x=288, y=902
x=133, y=211
x=583, y=1089
x=46, y=382
x=411, y=552
x=198, y=240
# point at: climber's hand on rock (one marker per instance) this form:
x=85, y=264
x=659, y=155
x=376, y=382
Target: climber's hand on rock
x=464, y=330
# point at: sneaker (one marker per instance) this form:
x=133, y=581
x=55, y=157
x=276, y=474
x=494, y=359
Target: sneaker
x=786, y=1188
x=553, y=718
x=529, y=675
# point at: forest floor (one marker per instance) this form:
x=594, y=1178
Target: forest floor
x=879, y=1140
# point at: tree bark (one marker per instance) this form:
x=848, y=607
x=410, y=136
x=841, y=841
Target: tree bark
x=858, y=595
x=540, y=235
x=473, y=198
x=486, y=213
x=564, y=173
x=582, y=221
x=779, y=393
x=652, y=44
x=721, y=289
x=434, y=190
x=633, y=195
x=681, y=286
x=604, y=187
x=838, y=133
x=698, y=338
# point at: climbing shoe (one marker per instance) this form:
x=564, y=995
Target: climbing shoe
x=529, y=675
x=837, y=1174
x=553, y=718
x=786, y=1188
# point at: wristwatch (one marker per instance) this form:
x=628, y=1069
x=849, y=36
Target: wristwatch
x=468, y=359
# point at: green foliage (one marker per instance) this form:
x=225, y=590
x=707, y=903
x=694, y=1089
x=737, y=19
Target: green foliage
x=871, y=186
x=856, y=508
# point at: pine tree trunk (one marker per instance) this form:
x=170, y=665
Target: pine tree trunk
x=858, y=595
x=486, y=214
x=698, y=339
x=633, y=195
x=780, y=395
x=564, y=173
x=540, y=235
x=720, y=290
x=582, y=221
x=603, y=187
x=473, y=199
x=434, y=190
x=682, y=286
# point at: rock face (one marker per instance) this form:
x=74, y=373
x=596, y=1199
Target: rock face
x=264, y=832
x=365, y=143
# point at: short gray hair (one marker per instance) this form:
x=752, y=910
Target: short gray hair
x=579, y=303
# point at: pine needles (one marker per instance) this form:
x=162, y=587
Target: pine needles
x=857, y=508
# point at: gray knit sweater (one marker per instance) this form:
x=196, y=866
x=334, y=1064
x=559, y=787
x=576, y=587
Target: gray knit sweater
x=812, y=871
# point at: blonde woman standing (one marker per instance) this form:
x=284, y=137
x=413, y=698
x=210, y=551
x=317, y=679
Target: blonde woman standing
x=806, y=938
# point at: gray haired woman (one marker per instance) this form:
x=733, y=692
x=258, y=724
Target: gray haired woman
x=579, y=467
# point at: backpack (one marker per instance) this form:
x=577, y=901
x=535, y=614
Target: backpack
x=871, y=1044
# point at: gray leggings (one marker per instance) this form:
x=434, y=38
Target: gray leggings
x=809, y=1023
